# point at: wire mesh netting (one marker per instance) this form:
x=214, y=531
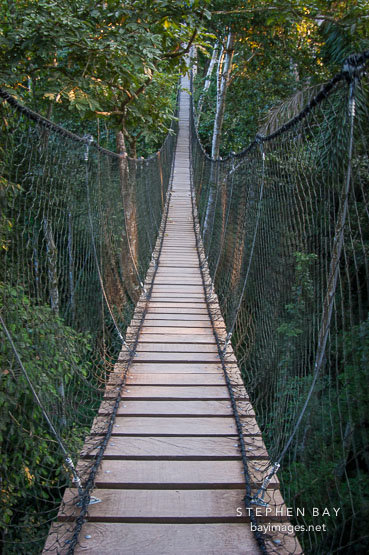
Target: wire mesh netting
x=286, y=235
x=78, y=228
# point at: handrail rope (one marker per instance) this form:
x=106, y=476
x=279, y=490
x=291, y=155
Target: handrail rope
x=91, y=480
x=48, y=124
x=352, y=71
x=352, y=68
x=329, y=296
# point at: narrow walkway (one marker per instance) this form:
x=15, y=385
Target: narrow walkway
x=171, y=480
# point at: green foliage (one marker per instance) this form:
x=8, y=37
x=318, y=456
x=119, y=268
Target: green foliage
x=338, y=423
x=67, y=58
x=281, y=49
x=8, y=191
x=31, y=462
x=302, y=294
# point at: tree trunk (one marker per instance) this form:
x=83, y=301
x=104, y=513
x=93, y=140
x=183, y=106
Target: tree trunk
x=209, y=74
x=224, y=73
x=129, y=265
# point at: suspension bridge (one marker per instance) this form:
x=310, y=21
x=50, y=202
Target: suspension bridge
x=171, y=478
x=142, y=296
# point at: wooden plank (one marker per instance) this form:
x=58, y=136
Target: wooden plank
x=129, y=407
x=183, y=339
x=177, y=297
x=174, y=357
x=170, y=474
x=175, y=368
x=177, y=347
x=177, y=447
x=177, y=323
x=170, y=393
x=188, y=304
x=175, y=379
x=185, y=273
x=191, y=333
x=166, y=448
x=177, y=317
x=177, y=474
x=151, y=318
x=159, y=539
x=174, y=330
x=177, y=408
x=176, y=310
x=168, y=408
x=163, y=426
x=168, y=506
x=178, y=280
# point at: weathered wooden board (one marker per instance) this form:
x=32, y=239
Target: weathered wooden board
x=174, y=357
x=131, y=425
x=207, y=339
x=177, y=447
x=176, y=505
x=160, y=539
x=152, y=539
x=169, y=408
x=176, y=317
x=171, y=393
x=217, y=426
x=175, y=368
x=129, y=407
x=176, y=347
x=177, y=474
x=175, y=379
x=176, y=310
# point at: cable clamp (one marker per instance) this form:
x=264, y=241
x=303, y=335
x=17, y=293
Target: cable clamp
x=88, y=140
x=258, y=498
x=93, y=501
x=226, y=343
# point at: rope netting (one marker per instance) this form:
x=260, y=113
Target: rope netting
x=285, y=230
x=78, y=228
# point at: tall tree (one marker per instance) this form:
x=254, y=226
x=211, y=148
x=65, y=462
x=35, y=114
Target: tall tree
x=97, y=58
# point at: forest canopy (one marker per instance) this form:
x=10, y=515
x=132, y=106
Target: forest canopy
x=117, y=63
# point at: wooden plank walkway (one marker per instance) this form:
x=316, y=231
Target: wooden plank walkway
x=171, y=480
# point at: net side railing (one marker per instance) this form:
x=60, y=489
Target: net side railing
x=286, y=234
x=78, y=228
